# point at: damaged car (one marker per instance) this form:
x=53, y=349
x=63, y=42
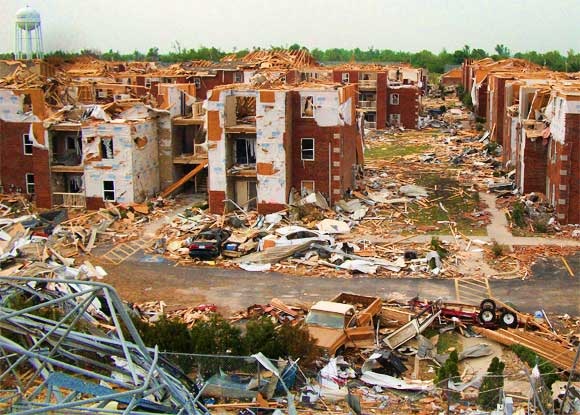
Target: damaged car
x=208, y=244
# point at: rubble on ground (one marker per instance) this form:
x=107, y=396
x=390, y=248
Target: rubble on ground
x=404, y=378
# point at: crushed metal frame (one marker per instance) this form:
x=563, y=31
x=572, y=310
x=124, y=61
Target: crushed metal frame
x=86, y=357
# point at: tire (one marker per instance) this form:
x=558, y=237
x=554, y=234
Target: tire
x=486, y=316
x=508, y=319
x=488, y=304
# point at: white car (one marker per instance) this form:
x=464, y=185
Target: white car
x=296, y=235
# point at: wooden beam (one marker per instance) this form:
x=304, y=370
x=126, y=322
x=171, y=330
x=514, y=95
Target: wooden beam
x=184, y=179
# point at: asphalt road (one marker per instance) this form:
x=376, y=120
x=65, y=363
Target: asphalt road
x=144, y=278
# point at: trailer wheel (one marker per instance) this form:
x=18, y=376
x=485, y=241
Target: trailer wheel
x=508, y=319
x=486, y=316
x=488, y=304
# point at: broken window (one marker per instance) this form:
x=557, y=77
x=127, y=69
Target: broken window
x=238, y=77
x=394, y=98
x=307, y=149
x=345, y=78
x=307, y=187
x=245, y=151
x=246, y=110
x=109, y=190
x=26, y=103
x=395, y=119
x=197, y=82
x=27, y=143
x=29, y=177
x=107, y=148
x=307, y=106
x=370, y=116
x=74, y=184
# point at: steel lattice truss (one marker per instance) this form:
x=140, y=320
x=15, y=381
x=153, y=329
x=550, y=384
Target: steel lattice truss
x=71, y=345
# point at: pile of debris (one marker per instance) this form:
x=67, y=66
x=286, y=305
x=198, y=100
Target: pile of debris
x=52, y=245
x=531, y=214
x=153, y=311
x=96, y=357
x=306, y=234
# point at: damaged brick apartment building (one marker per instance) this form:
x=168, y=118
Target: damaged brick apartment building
x=87, y=132
x=388, y=96
x=265, y=142
x=534, y=114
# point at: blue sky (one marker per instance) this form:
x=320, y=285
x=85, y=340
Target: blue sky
x=413, y=25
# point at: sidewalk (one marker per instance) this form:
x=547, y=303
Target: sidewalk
x=497, y=230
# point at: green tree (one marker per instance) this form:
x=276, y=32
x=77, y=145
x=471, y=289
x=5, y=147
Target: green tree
x=216, y=336
x=153, y=54
x=502, y=51
x=261, y=336
x=449, y=370
x=478, y=54
x=489, y=391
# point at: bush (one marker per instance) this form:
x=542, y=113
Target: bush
x=169, y=336
x=547, y=370
x=216, y=336
x=261, y=336
x=299, y=343
x=466, y=99
x=519, y=215
x=497, y=249
x=540, y=226
x=449, y=369
x=280, y=341
x=490, y=387
x=436, y=246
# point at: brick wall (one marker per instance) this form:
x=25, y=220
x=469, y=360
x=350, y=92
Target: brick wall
x=95, y=203
x=507, y=140
x=499, y=110
x=382, y=97
x=14, y=164
x=216, y=201
x=535, y=159
x=564, y=173
x=209, y=83
x=318, y=169
x=408, y=106
x=481, y=110
x=266, y=208
x=465, y=74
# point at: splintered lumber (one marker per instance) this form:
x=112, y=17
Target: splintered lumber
x=567, y=266
x=552, y=351
x=184, y=179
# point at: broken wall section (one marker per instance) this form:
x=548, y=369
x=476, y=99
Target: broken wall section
x=271, y=156
x=121, y=162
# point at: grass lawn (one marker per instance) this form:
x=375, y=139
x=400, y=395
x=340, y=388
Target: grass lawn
x=394, y=150
x=445, y=190
x=447, y=340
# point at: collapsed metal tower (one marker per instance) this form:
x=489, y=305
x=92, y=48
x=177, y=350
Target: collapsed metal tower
x=71, y=345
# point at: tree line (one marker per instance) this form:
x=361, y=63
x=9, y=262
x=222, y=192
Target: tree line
x=434, y=62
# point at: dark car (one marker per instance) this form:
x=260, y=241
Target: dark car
x=208, y=244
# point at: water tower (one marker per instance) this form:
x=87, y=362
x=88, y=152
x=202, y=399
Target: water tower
x=28, y=34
